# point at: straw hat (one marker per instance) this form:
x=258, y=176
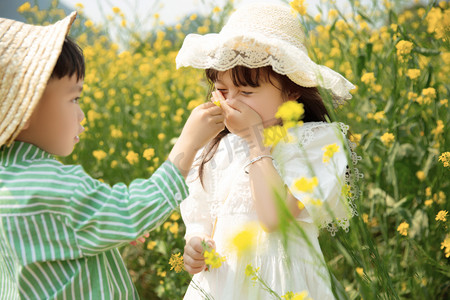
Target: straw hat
x=263, y=34
x=28, y=55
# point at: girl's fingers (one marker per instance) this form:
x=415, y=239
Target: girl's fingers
x=215, y=110
x=218, y=119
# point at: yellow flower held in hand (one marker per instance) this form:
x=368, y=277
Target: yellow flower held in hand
x=329, y=151
x=306, y=185
x=213, y=259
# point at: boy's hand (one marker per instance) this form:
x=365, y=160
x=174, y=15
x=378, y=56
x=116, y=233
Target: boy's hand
x=204, y=123
x=141, y=239
x=194, y=261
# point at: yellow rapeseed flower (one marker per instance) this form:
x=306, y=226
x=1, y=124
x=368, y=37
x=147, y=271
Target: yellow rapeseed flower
x=275, y=134
x=114, y=164
x=132, y=157
x=446, y=246
x=421, y=175
x=445, y=159
x=116, y=9
x=306, y=185
x=387, y=139
x=298, y=6
x=193, y=17
x=149, y=153
x=439, y=128
x=290, y=111
x=244, y=240
x=176, y=262
x=329, y=151
x=24, y=7
x=296, y=296
x=151, y=245
x=213, y=259
x=332, y=13
x=403, y=228
x=318, y=17
x=99, y=154
x=252, y=272
x=174, y=228
x=413, y=73
x=368, y=78
x=438, y=22
x=442, y=216
x=216, y=9
x=403, y=48
x=79, y=5
x=360, y=271
x=88, y=23
x=428, y=202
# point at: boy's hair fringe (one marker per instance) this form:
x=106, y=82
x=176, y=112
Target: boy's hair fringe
x=70, y=61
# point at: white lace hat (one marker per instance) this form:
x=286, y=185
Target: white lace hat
x=28, y=55
x=258, y=35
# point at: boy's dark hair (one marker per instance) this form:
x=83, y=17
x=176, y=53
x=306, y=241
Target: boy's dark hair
x=70, y=61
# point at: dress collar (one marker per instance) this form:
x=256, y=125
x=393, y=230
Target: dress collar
x=19, y=152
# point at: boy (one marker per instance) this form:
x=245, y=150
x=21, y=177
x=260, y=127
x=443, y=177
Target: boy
x=60, y=228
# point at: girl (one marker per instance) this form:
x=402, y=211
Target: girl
x=257, y=63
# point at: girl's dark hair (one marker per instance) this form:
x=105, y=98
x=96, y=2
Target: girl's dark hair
x=313, y=105
x=70, y=61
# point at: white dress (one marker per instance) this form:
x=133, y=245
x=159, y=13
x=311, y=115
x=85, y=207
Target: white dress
x=227, y=196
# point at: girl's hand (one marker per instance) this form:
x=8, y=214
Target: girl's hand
x=204, y=123
x=194, y=261
x=240, y=118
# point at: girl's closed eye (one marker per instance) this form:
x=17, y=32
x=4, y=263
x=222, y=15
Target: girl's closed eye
x=76, y=100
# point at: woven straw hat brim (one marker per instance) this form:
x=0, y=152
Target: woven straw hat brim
x=28, y=55
x=254, y=47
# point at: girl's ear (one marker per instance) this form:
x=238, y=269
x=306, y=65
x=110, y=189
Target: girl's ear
x=293, y=96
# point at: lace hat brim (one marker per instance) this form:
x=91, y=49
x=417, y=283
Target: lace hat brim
x=276, y=41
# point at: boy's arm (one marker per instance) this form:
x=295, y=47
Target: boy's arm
x=105, y=217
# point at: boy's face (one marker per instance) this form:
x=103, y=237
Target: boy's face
x=55, y=125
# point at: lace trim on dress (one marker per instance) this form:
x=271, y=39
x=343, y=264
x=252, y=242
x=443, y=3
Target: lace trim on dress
x=305, y=136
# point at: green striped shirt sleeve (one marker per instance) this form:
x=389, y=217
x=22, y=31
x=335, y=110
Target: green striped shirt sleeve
x=107, y=217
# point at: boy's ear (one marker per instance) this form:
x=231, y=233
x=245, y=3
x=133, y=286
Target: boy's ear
x=27, y=124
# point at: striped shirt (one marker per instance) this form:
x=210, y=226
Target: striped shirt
x=60, y=228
